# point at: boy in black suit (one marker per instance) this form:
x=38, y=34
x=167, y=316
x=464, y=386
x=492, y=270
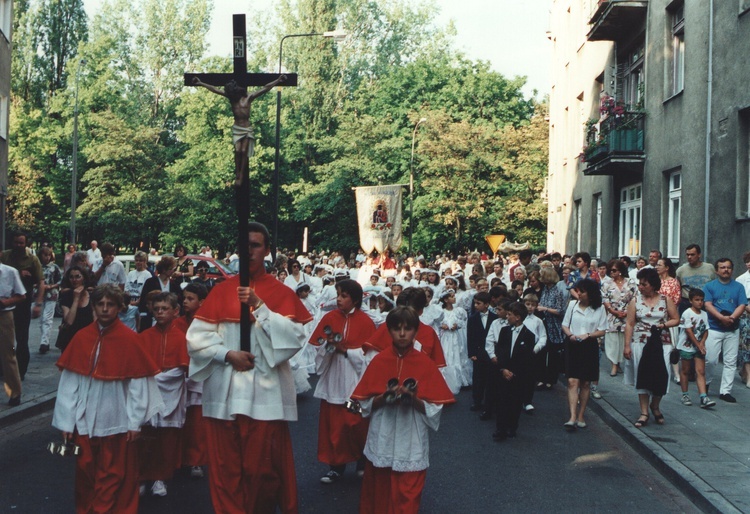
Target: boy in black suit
x=476, y=333
x=514, y=357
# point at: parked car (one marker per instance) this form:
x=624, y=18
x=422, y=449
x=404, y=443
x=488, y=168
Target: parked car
x=216, y=269
x=129, y=261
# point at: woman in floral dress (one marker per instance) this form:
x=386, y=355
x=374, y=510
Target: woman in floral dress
x=617, y=294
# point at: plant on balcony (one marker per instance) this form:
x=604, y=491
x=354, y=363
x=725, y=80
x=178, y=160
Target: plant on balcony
x=614, y=116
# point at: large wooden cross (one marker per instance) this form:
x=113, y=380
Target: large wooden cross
x=241, y=78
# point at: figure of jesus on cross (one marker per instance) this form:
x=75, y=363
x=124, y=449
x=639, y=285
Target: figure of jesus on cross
x=242, y=133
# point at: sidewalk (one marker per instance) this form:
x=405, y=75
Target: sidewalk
x=39, y=387
x=704, y=452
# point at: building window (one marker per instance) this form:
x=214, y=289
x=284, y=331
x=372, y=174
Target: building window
x=3, y=117
x=5, y=18
x=630, y=220
x=578, y=219
x=630, y=79
x=676, y=17
x=673, y=215
x=743, y=165
x=598, y=224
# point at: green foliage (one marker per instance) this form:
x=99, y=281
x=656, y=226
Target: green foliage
x=156, y=162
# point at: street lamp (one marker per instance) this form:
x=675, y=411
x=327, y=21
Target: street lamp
x=74, y=178
x=336, y=35
x=411, y=182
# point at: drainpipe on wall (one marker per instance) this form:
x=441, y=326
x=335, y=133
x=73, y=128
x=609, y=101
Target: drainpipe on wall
x=708, y=122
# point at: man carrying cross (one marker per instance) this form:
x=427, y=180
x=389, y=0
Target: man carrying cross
x=249, y=396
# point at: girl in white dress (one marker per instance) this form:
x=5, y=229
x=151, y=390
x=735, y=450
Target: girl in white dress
x=453, y=338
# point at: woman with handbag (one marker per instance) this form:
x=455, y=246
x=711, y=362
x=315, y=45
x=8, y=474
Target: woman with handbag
x=585, y=321
x=648, y=344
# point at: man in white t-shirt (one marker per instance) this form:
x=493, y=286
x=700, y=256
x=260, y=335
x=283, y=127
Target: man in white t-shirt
x=111, y=271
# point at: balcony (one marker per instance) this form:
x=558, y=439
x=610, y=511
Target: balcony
x=614, y=20
x=614, y=146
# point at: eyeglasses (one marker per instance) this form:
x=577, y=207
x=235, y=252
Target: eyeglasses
x=613, y=270
x=202, y=270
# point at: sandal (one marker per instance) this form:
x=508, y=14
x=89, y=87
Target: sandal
x=642, y=421
x=659, y=418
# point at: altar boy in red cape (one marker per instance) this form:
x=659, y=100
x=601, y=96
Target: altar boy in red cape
x=340, y=363
x=427, y=340
x=248, y=397
x=161, y=448
x=107, y=392
x=397, y=447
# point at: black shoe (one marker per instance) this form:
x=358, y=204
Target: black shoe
x=485, y=416
x=499, y=436
x=476, y=407
x=728, y=398
x=43, y=348
x=15, y=402
x=511, y=433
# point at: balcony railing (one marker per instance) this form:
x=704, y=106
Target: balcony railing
x=614, y=20
x=615, y=145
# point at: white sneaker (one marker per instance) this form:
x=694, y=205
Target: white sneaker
x=528, y=408
x=159, y=489
x=686, y=400
x=196, y=472
x=595, y=393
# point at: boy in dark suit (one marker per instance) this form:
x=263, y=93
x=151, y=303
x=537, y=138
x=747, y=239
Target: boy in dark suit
x=476, y=333
x=514, y=357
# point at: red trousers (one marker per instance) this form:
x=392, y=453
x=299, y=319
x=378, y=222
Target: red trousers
x=251, y=466
x=341, y=434
x=160, y=452
x=385, y=491
x=106, y=475
x=194, y=438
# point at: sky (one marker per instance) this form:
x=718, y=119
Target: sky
x=510, y=34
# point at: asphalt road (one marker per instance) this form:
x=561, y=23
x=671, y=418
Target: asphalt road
x=544, y=469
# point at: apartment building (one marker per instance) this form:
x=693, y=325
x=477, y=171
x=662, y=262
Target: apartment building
x=650, y=127
x=6, y=25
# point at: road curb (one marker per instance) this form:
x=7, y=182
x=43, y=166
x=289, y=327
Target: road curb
x=28, y=409
x=694, y=487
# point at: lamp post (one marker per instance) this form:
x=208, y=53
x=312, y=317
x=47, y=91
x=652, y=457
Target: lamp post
x=336, y=35
x=74, y=177
x=411, y=182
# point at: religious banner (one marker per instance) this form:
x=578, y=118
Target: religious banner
x=379, y=217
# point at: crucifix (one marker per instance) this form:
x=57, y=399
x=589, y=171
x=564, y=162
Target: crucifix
x=235, y=90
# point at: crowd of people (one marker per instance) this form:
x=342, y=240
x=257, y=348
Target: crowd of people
x=154, y=358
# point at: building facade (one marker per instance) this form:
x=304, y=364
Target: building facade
x=650, y=127
x=6, y=26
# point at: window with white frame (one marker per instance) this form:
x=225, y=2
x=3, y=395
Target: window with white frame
x=578, y=219
x=630, y=220
x=598, y=224
x=673, y=215
x=677, y=42
x=3, y=117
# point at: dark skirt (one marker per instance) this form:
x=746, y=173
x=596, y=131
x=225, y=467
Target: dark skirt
x=582, y=359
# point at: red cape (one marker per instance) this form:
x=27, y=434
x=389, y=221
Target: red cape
x=167, y=347
x=426, y=336
x=356, y=328
x=431, y=386
x=121, y=355
x=182, y=323
x=222, y=304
